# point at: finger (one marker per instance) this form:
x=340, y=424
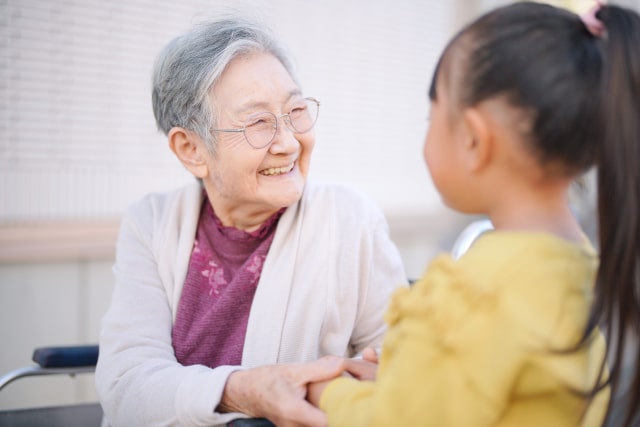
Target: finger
x=361, y=369
x=322, y=369
x=370, y=355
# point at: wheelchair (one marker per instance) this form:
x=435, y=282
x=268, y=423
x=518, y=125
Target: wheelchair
x=77, y=360
x=70, y=360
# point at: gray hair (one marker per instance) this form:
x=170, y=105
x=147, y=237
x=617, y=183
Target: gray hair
x=190, y=65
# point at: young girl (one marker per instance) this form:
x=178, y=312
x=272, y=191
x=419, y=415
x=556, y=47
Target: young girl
x=523, y=101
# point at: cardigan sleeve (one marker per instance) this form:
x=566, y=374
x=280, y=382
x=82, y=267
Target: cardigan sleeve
x=138, y=379
x=382, y=272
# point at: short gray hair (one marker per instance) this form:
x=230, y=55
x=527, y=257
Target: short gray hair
x=191, y=63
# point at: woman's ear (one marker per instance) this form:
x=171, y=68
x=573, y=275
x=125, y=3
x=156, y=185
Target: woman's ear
x=478, y=144
x=188, y=148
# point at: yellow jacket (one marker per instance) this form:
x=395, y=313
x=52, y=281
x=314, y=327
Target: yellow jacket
x=479, y=342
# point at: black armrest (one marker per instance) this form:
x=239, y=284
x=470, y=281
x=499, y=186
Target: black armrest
x=250, y=422
x=65, y=357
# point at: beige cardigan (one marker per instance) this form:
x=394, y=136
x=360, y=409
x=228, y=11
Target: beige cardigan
x=325, y=285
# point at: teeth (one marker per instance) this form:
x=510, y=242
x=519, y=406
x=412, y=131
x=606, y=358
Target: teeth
x=277, y=171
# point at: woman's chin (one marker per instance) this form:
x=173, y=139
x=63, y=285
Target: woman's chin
x=286, y=194
x=286, y=188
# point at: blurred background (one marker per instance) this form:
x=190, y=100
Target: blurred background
x=78, y=141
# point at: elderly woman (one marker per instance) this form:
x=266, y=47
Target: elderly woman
x=221, y=286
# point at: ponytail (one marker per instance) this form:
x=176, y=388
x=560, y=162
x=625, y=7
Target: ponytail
x=617, y=302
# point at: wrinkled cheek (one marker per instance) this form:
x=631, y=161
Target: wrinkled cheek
x=303, y=165
x=305, y=155
x=309, y=143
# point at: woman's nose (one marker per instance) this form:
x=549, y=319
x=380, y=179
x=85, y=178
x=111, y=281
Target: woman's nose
x=285, y=140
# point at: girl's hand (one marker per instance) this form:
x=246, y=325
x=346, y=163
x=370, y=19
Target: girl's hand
x=362, y=370
x=314, y=392
x=370, y=355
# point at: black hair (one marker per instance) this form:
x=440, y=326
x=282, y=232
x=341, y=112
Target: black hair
x=582, y=95
x=543, y=61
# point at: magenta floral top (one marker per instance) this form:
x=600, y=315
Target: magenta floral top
x=221, y=281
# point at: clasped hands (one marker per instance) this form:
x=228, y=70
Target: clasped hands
x=289, y=394
x=363, y=369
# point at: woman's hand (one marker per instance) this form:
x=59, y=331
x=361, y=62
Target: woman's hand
x=278, y=392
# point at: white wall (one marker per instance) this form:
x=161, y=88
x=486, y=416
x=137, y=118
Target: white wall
x=77, y=136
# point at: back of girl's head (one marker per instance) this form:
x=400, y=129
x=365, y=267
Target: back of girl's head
x=579, y=96
x=542, y=61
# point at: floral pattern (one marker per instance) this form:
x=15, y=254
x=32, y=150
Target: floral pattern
x=255, y=265
x=215, y=274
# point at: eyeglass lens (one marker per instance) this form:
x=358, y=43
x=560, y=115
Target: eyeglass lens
x=261, y=128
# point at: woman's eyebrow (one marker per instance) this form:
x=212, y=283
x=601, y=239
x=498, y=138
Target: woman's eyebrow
x=265, y=104
x=253, y=106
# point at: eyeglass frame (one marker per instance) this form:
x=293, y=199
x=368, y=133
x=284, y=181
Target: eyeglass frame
x=288, y=121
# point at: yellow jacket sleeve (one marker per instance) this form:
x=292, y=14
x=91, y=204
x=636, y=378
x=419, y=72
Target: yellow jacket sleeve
x=434, y=358
x=483, y=342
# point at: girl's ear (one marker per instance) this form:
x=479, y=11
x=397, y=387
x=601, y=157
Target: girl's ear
x=479, y=141
x=188, y=149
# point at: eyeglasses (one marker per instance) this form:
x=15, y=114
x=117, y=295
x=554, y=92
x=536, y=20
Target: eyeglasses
x=260, y=128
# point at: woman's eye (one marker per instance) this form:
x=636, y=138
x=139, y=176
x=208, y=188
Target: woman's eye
x=297, y=110
x=259, y=121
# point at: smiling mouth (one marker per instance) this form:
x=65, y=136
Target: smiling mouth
x=277, y=171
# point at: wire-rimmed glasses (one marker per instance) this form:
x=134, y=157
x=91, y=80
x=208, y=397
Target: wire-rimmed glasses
x=260, y=128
